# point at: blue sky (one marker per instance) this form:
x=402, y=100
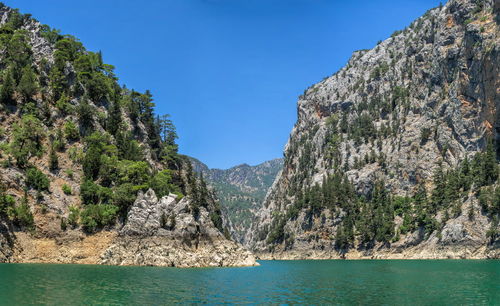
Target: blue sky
x=228, y=71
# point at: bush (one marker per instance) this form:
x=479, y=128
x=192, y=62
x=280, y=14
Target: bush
x=86, y=114
x=69, y=173
x=96, y=216
x=91, y=193
x=66, y=189
x=27, y=139
x=64, y=225
x=23, y=215
x=53, y=159
x=71, y=131
x=74, y=215
x=37, y=180
x=424, y=135
x=136, y=173
x=161, y=183
x=7, y=89
x=28, y=84
x=63, y=105
x=124, y=196
x=6, y=201
x=76, y=154
x=59, y=141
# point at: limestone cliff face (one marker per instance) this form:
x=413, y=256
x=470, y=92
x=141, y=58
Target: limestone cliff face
x=163, y=232
x=241, y=190
x=427, y=96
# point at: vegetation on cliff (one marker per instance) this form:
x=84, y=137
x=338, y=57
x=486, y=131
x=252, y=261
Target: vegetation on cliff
x=68, y=124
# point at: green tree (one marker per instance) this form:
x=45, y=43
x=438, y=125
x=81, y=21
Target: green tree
x=128, y=148
x=161, y=183
x=86, y=114
x=96, y=216
x=8, y=86
x=71, y=131
x=18, y=53
x=53, y=159
x=27, y=139
x=92, y=193
x=28, y=85
x=124, y=196
x=114, y=118
x=22, y=214
x=63, y=105
x=490, y=164
x=92, y=162
x=37, y=180
x=136, y=173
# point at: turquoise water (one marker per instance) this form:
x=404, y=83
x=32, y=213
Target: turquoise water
x=429, y=282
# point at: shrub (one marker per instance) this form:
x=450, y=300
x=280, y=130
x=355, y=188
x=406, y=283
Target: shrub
x=59, y=141
x=69, y=173
x=95, y=216
x=23, y=216
x=161, y=183
x=424, y=135
x=7, y=89
x=66, y=189
x=6, y=201
x=74, y=215
x=91, y=193
x=37, y=180
x=71, y=131
x=85, y=114
x=27, y=139
x=63, y=105
x=64, y=225
x=76, y=154
x=136, y=173
x=28, y=84
x=53, y=159
x=124, y=196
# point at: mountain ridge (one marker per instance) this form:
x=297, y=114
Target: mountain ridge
x=241, y=190
x=379, y=162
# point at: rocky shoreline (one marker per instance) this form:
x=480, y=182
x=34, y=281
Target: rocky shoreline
x=158, y=232
x=356, y=255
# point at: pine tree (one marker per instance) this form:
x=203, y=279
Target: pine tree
x=490, y=164
x=28, y=84
x=53, y=159
x=7, y=89
x=114, y=118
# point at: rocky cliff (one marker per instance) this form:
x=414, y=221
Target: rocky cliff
x=75, y=150
x=163, y=232
x=241, y=190
x=394, y=155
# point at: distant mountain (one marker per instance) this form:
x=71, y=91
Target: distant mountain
x=241, y=190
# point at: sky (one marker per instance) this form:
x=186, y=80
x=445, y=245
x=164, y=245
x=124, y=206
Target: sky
x=228, y=71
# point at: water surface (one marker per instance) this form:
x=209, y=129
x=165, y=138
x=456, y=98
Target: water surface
x=310, y=282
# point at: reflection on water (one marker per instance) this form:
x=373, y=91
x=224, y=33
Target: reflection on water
x=353, y=282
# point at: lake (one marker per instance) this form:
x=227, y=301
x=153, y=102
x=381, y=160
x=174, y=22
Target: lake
x=308, y=282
